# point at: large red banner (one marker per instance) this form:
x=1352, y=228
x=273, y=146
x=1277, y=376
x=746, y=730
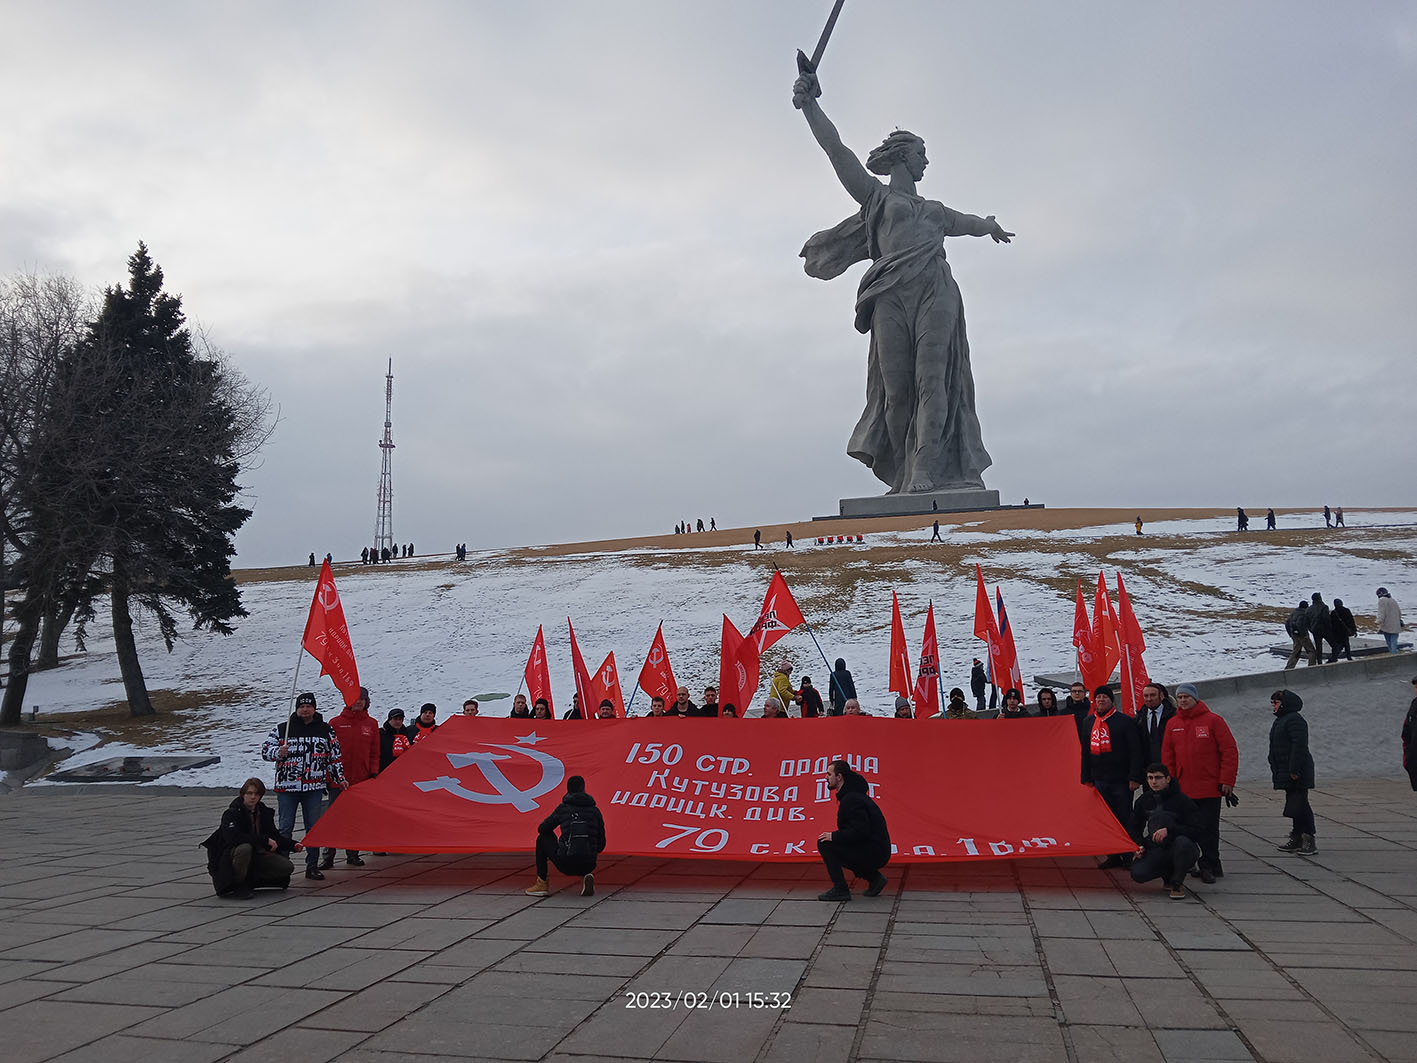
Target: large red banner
x=693, y=788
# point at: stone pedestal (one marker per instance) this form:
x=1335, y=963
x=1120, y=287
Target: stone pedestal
x=961, y=501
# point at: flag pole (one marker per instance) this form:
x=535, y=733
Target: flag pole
x=295, y=682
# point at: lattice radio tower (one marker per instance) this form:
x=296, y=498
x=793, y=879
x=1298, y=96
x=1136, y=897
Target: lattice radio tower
x=384, y=525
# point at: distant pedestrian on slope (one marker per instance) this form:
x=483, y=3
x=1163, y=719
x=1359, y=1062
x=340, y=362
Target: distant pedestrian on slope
x=1298, y=628
x=1269, y=520
x=713, y=524
x=1291, y=768
x=935, y=535
x=1341, y=627
x=1138, y=523
x=312, y=558
x=757, y=539
x=842, y=688
x=1242, y=521
x=1328, y=518
x=700, y=524
x=789, y=538
x=1338, y=518
x=1389, y=618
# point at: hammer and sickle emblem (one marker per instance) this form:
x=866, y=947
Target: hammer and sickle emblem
x=655, y=656
x=552, y=772
x=329, y=597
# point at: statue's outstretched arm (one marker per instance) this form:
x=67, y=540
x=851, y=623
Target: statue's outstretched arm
x=974, y=225
x=859, y=184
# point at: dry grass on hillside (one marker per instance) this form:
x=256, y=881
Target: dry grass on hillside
x=172, y=720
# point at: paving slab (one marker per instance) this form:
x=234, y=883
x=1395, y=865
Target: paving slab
x=111, y=955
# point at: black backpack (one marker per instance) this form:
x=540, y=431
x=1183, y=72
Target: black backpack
x=577, y=838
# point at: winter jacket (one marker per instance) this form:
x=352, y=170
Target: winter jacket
x=1319, y=618
x=1200, y=752
x=1112, y=749
x=1409, y=743
x=358, y=736
x=1151, y=743
x=417, y=731
x=1289, y=745
x=240, y=826
x=1170, y=809
x=1298, y=623
x=811, y=701
x=1389, y=615
x=312, y=761
x=1080, y=710
x=578, y=805
x=860, y=824
x=1342, y=622
x=781, y=688
x=393, y=741
x=978, y=680
x=843, y=688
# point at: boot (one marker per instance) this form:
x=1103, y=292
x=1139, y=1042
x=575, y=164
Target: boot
x=587, y=885
x=541, y=889
x=327, y=860
x=1290, y=844
x=1307, y=846
x=836, y=893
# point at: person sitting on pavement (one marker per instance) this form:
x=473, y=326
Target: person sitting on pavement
x=307, y=758
x=246, y=852
x=580, y=844
x=1164, y=824
x=861, y=842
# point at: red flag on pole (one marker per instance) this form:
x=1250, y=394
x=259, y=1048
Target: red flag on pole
x=900, y=683
x=1008, y=652
x=738, y=673
x=1082, y=642
x=326, y=637
x=656, y=677
x=538, y=676
x=583, y=687
x=779, y=615
x=927, y=682
x=1104, y=634
x=985, y=626
x=606, y=684
x=1134, y=676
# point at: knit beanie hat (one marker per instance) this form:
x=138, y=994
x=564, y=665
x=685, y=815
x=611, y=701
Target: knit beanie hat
x=1188, y=688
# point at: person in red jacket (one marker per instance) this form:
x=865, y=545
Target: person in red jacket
x=358, y=736
x=1201, y=753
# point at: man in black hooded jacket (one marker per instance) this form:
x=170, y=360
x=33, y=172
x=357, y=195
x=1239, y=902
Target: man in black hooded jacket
x=1165, y=824
x=861, y=842
x=843, y=688
x=582, y=840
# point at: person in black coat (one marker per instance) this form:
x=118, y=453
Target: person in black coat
x=582, y=840
x=1409, y=739
x=1077, y=706
x=394, y=738
x=861, y=842
x=1320, y=626
x=1153, y=716
x=246, y=851
x=843, y=688
x=1291, y=768
x=978, y=682
x=1341, y=628
x=1047, y=702
x=1165, y=824
x=1112, y=760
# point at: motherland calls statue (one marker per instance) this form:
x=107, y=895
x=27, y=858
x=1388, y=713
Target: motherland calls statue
x=919, y=432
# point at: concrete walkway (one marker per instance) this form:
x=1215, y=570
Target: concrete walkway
x=113, y=948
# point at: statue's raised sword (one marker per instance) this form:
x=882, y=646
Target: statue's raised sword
x=809, y=66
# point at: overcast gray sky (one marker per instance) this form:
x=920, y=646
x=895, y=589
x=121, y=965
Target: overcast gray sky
x=575, y=229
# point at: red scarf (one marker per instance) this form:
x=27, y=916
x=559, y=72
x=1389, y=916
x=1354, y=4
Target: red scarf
x=1101, y=734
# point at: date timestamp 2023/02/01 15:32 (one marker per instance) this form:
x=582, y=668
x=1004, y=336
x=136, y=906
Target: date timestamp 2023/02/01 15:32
x=691, y=999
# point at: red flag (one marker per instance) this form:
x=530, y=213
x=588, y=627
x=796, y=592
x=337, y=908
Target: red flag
x=656, y=677
x=538, y=676
x=1134, y=676
x=927, y=683
x=900, y=683
x=1104, y=634
x=985, y=626
x=738, y=672
x=1082, y=640
x=606, y=684
x=326, y=637
x=583, y=687
x=779, y=615
x=1008, y=656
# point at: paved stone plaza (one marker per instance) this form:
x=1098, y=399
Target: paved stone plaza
x=113, y=948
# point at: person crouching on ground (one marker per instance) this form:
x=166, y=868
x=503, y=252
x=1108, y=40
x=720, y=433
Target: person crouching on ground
x=246, y=851
x=1291, y=767
x=1165, y=824
x=581, y=842
x=861, y=842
